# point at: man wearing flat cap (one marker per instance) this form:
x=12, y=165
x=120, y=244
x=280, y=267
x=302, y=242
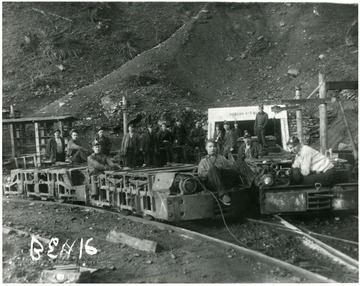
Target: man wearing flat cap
x=164, y=138
x=248, y=149
x=103, y=140
x=229, y=142
x=260, y=125
x=310, y=166
x=149, y=146
x=55, y=148
x=130, y=147
x=197, y=136
x=77, y=154
x=180, y=134
x=98, y=162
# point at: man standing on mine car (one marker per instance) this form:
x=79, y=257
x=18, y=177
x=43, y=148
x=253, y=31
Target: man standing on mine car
x=55, y=148
x=77, y=154
x=229, y=142
x=104, y=141
x=237, y=135
x=220, y=176
x=179, y=133
x=260, y=125
x=310, y=166
x=164, y=137
x=130, y=147
x=197, y=136
x=149, y=146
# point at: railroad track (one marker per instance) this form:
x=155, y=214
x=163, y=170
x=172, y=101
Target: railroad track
x=293, y=244
x=346, y=270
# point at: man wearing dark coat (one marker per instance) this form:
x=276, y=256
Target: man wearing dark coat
x=149, y=146
x=179, y=133
x=55, y=148
x=104, y=141
x=229, y=143
x=237, y=134
x=164, y=138
x=130, y=147
x=248, y=149
x=260, y=125
x=197, y=136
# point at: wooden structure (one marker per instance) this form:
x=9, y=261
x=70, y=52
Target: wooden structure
x=27, y=137
x=323, y=99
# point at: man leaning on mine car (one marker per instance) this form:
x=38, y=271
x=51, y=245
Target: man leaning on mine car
x=310, y=166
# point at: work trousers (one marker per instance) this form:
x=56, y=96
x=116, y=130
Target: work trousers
x=60, y=157
x=324, y=178
x=220, y=180
x=79, y=157
x=260, y=133
x=165, y=154
x=150, y=158
x=179, y=154
x=130, y=158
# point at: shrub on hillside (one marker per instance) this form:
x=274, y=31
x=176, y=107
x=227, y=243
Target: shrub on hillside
x=59, y=45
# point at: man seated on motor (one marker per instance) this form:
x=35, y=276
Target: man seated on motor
x=220, y=176
x=310, y=166
x=99, y=162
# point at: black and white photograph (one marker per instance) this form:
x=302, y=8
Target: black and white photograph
x=180, y=142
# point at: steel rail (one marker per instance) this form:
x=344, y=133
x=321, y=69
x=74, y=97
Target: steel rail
x=304, y=230
x=312, y=277
x=332, y=252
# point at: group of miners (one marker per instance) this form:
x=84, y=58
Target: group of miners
x=218, y=169
x=148, y=148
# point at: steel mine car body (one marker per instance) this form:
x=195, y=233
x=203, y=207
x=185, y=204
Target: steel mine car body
x=171, y=193
x=279, y=195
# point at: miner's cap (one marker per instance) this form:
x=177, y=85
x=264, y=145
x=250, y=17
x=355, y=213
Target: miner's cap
x=293, y=141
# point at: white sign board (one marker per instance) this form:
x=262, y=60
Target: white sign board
x=245, y=113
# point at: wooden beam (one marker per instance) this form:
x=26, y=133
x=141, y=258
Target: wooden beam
x=137, y=243
x=339, y=85
x=12, y=139
x=37, y=141
x=125, y=117
x=322, y=114
x=309, y=101
x=299, y=117
x=61, y=127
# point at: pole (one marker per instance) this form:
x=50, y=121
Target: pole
x=125, y=120
x=322, y=115
x=37, y=141
x=299, y=116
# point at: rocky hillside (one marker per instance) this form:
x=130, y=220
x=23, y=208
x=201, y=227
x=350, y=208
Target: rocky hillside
x=174, y=59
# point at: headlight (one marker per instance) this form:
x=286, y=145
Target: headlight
x=267, y=180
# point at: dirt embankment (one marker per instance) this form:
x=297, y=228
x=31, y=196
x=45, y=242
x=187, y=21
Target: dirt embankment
x=191, y=57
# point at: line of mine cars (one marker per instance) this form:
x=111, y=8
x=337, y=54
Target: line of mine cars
x=175, y=193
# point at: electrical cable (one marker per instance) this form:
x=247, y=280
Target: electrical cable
x=220, y=208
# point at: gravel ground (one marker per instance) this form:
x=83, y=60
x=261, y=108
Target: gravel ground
x=293, y=249
x=181, y=260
